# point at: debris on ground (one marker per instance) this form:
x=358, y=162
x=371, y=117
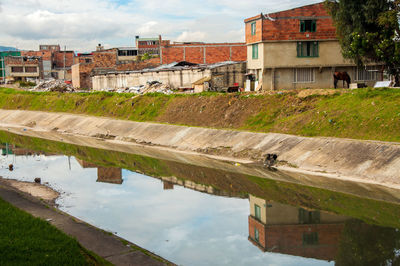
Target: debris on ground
x=152, y=86
x=53, y=85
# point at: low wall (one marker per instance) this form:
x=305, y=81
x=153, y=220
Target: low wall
x=176, y=79
x=370, y=161
x=223, y=76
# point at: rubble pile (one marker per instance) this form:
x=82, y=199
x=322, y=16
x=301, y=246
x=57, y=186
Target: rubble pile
x=151, y=86
x=53, y=85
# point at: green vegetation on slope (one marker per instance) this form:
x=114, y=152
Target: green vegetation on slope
x=25, y=240
x=359, y=114
x=368, y=210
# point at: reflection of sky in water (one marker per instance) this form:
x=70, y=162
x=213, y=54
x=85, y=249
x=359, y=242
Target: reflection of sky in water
x=182, y=225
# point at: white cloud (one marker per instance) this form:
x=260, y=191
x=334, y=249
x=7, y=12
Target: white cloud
x=80, y=25
x=191, y=36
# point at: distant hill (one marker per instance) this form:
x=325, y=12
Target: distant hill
x=5, y=48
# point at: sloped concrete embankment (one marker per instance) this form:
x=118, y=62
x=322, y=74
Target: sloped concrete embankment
x=372, y=161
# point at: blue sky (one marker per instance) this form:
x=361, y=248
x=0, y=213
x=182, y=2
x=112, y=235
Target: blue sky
x=82, y=24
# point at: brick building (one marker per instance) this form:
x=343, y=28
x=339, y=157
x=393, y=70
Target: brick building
x=106, y=60
x=56, y=63
x=298, y=48
x=150, y=46
x=284, y=229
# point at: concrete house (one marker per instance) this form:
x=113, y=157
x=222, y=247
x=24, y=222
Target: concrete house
x=23, y=68
x=298, y=48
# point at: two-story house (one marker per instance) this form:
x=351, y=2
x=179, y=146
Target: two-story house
x=298, y=48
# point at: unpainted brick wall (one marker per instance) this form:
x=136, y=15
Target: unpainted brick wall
x=286, y=25
x=137, y=65
x=107, y=58
x=46, y=55
x=58, y=59
x=204, y=53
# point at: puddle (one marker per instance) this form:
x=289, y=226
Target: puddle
x=199, y=216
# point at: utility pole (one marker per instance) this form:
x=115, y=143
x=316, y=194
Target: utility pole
x=65, y=50
x=3, y=70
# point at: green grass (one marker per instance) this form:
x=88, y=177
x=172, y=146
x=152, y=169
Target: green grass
x=26, y=240
x=359, y=114
x=25, y=84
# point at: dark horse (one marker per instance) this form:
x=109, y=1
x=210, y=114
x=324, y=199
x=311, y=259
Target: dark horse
x=341, y=76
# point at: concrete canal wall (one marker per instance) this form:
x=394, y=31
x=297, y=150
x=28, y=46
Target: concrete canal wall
x=372, y=161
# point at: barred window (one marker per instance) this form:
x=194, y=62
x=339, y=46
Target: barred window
x=303, y=75
x=366, y=73
x=307, y=49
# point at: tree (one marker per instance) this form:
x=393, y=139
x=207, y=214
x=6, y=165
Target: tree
x=363, y=244
x=146, y=56
x=368, y=31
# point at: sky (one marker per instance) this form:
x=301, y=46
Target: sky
x=82, y=24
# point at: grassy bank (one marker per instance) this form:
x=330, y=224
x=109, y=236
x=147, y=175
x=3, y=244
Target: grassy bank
x=359, y=114
x=25, y=240
x=236, y=184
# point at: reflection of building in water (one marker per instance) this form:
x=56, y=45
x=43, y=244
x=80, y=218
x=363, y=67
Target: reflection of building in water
x=111, y=175
x=168, y=185
x=85, y=164
x=10, y=149
x=280, y=228
x=170, y=181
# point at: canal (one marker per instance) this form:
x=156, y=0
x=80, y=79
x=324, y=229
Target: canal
x=194, y=215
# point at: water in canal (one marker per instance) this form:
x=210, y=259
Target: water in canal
x=198, y=216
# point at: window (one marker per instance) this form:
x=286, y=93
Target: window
x=17, y=69
x=256, y=235
x=257, y=211
x=255, y=51
x=310, y=238
x=308, y=25
x=366, y=73
x=31, y=69
x=307, y=49
x=253, y=28
x=309, y=217
x=303, y=75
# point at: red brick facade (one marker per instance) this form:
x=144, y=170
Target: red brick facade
x=137, y=65
x=289, y=239
x=106, y=58
x=201, y=53
x=285, y=25
x=46, y=55
x=58, y=59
